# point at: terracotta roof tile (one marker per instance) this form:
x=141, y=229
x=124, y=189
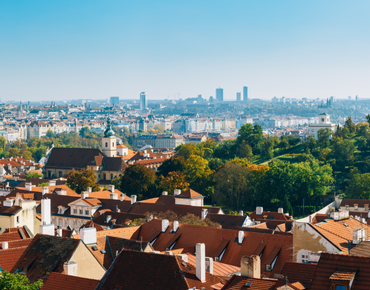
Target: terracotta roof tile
x=9, y=257
x=69, y=282
x=239, y=282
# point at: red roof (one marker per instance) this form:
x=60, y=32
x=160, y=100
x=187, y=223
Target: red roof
x=69, y=282
x=9, y=257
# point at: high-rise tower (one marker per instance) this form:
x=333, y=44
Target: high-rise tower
x=219, y=95
x=245, y=93
x=143, y=103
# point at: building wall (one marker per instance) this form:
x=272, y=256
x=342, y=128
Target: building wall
x=87, y=265
x=307, y=240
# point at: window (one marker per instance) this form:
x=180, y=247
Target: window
x=75, y=211
x=60, y=174
x=81, y=212
x=304, y=258
x=340, y=287
x=106, y=144
x=113, y=144
x=86, y=212
x=111, y=176
x=17, y=219
x=356, y=206
x=347, y=206
x=322, y=119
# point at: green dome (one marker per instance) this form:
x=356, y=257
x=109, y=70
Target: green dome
x=108, y=132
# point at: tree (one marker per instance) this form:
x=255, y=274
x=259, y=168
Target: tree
x=139, y=180
x=343, y=152
x=2, y=142
x=80, y=180
x=267, y=148
x=33, y=174
x=175, y=163
x=368, y=118
x=359, y=185
x=174, y=180
x=350, y=125
x=231, y=186
x=323, y=137
x=198, y=174
x=10, y=281
x=287, y=206
x=215, y=163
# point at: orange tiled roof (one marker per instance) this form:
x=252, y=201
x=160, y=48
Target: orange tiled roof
x=9, y=257
x=219, y=269
x=69, y=282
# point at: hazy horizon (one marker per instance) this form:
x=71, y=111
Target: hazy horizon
x=93, y=49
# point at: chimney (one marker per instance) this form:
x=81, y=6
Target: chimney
x=45, y=211
x=201, y=262
x=204, y=213
x=8, y=202
x=84, y=194
x=46, y=227
x=177, y=192
x=122, y=198
x=114, y=196
x=209, y=265
x=240, y=237
x=259, y=210
x=4, y=245
x=88, y=235
x=28, y=186
x=164, y=193
x=52, y=183
x=59, y=231
x=175, y=226
x=164, y=225
x=133, y=199
x=251, y=266
x=241, y=213
x=184, y=257
x=62, y=192
x=70, y=268
x=280, y=210
x=108, y=218
x=45, y=190
x=111, y=188
x=89, y=189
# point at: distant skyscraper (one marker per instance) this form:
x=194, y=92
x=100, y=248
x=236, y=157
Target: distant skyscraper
x=143, y=103
x=114, y=101
x=245, y=93
x=238, y=96
x=219, y=95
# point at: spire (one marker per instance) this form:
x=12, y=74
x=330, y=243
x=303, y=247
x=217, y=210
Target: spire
x=108, y=131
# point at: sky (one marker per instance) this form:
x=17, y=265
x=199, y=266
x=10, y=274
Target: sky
x=53, y=50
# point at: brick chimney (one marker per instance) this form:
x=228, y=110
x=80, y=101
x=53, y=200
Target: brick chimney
x=201, y=262
x=251, y=266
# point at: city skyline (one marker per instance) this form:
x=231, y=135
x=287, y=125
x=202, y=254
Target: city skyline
x=92, y=49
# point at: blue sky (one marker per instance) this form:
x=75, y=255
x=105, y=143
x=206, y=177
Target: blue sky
x=97, y=49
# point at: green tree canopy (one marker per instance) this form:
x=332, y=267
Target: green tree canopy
x=80, y=180
x=10, y=281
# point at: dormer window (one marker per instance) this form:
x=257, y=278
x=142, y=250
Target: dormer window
x=75, y=211
x=106, y=144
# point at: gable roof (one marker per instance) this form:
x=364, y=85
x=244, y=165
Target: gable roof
x=69, y=282
x=298, y=272
x=239, y=282
x=332, y=263
x=169, y=272
x=189, y=194
x=69, y=158
x=220, y=241
x=45, y=254
x=9, y=257
x=227, y=221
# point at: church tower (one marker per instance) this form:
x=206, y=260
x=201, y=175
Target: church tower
x=109, y=141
